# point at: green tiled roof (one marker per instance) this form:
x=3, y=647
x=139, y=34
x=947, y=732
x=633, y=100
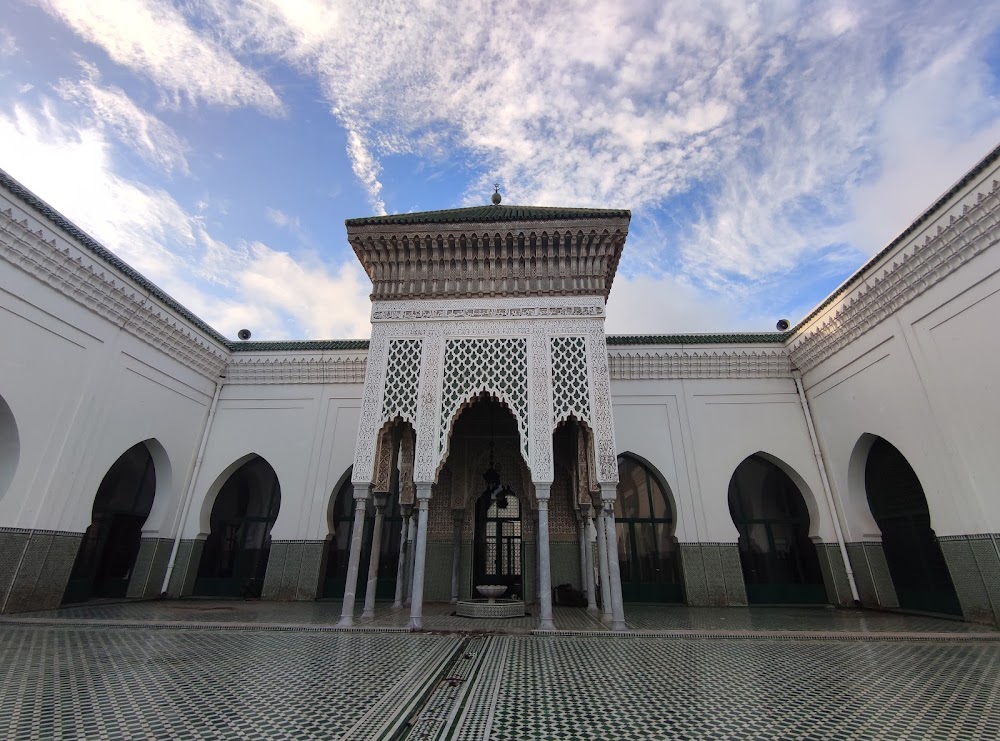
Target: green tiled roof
x=298, y=346
x=729, y=338
x=492, y=213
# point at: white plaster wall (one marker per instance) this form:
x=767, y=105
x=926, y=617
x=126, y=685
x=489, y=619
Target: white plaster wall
x=697, y=431
x=82, y=392
x=923, y=378
x=306, y=432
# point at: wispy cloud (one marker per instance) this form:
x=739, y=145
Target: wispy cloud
x=8, y=44
x=141, y=131
x=152, y=38
x=272, y=292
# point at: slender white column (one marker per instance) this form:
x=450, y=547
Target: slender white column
x=588, y=560
x=420, y=558
x=608, y=493
x=544, y=567
x=582, y=558
x=354, y=560
x=401, y=566
x=602, y=557
x=369, y=610
x=411, y=539
x=456, y=559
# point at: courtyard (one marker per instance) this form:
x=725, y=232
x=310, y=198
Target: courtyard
x=194, y=669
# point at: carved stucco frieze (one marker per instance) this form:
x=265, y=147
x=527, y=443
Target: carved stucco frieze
x=94, y=285
x=603, y=417
x=495, y=308
x=664, y=364
x=285, y=369
x=371, y=407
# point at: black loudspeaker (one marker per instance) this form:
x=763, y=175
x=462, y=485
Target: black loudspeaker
x=244, y=334
x=782, y=325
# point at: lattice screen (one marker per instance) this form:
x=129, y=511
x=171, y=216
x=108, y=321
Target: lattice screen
x=499, y=366
x=570, y=382
x=402, y=376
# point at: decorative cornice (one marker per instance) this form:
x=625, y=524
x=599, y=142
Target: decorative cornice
x=104, y=254
x=298, y=345
x=665, y=364
x=914, y=269
x=329, y=369
x=490, y=260
x=90, y=284
x=493, y=214
x=494, y=308
x=718, y=338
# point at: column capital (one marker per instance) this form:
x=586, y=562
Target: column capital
x=609, y=492
x=543, y=490
x=381, y=498
x=423, y=490
x=457, y=516
x=361, y=491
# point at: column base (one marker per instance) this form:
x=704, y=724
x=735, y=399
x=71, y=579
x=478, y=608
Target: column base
x=346, y=621
x=546, y=624
x=415, y=624
x=619, y=626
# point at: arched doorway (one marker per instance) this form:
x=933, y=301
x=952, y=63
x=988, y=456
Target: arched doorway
x=497, y=549
x=110, y=545
x=780, y=564
x=10, y=446
x=338, y=549
x=647, y=550
x=234, y=559
x=916, y=564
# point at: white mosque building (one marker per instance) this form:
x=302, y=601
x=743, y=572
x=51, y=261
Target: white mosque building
x=489, y=432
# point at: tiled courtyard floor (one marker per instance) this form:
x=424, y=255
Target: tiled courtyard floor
x=194, y=669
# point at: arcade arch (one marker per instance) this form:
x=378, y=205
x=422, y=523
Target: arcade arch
x=234, y=558
x=110, y=545
x=778, y=557
x=919, y=572
x=647, y=549
x=10, y=446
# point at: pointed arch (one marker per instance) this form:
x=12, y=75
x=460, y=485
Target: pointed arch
x=247, y=497
x=10, y=446
x=769, y=504
x=897, y=502
x=110, y=545
x=645, y=515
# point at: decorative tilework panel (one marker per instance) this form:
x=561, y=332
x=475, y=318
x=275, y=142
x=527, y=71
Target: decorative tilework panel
x=967, y=578
x=693, y=570
x=565, y=563
x=185, y=567
x=44, y=571
x=437, y=579
x=12, y=543
x=150, y=566
x=831, y=562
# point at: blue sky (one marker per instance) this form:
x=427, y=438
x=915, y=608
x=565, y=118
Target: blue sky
x=766, y=149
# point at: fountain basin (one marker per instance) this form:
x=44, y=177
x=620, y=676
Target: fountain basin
x=490, y=608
